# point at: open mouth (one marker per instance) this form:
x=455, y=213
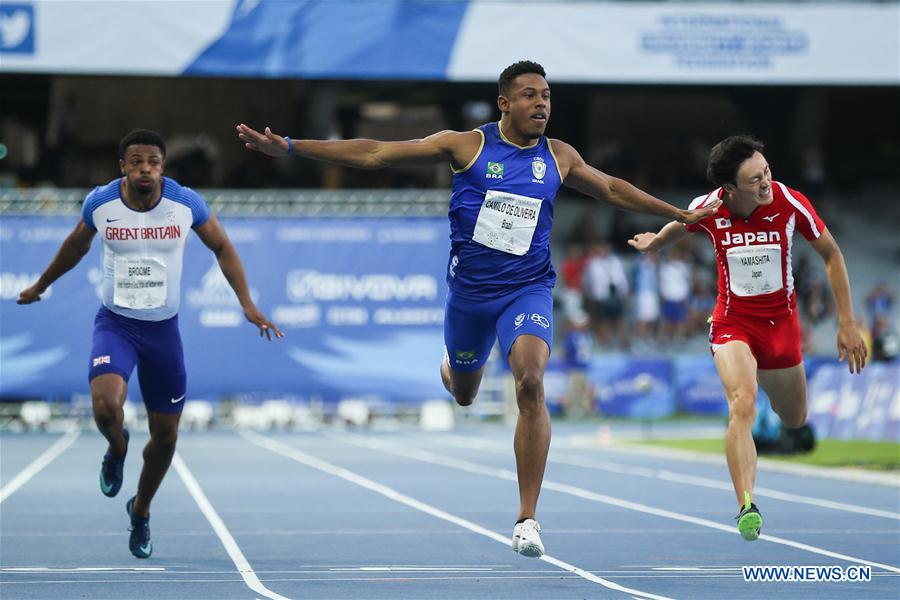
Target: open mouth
x=539, y=117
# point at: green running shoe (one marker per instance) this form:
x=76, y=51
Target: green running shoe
x=749, y=521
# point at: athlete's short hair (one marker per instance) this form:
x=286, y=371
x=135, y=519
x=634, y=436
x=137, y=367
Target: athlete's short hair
x=726, y=157
x=144, y=137
x=510, y=73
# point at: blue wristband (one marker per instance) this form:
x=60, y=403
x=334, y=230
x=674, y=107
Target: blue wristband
x=290, y=146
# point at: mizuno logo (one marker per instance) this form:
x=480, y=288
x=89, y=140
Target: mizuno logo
x=178, y=399
x=772, y=218
x=108, y=220
x=725, y=335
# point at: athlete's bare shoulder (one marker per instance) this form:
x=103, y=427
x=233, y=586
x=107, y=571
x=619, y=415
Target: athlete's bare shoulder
x=565, y=153
x=462, y=146
x=569, y=162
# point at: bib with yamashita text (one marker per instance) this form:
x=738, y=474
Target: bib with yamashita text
x=754, y=270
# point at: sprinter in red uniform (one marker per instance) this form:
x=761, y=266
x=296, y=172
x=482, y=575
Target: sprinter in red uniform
x=755, y=333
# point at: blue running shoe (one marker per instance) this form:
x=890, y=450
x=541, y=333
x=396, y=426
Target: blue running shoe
x=111, y=470
x=139, y=543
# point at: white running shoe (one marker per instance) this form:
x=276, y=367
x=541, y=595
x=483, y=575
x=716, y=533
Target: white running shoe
x=526, y=539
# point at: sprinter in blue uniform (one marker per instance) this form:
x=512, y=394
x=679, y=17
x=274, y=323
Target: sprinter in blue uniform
x=144, y=220
x=505, y=178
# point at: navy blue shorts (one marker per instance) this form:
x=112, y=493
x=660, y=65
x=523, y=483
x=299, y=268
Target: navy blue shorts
x=471, y=326
x=120, y=343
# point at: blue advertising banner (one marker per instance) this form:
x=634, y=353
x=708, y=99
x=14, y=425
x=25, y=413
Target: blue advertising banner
x=698, y=387
x=863, y=406
x=361, y=301
x=632, y=387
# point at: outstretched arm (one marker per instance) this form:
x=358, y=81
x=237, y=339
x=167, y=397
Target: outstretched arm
x=455, y=147
x=70, y=253
x=589, y=181
x=850, y=341
x=651, y=242
x=212, y=234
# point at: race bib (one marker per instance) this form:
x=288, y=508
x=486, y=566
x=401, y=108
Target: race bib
x=506, y=222
x=140, y=283
x=754, y=270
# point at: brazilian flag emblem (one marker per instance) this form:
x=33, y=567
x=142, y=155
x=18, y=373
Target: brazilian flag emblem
x=495, y=168
x=467, y=354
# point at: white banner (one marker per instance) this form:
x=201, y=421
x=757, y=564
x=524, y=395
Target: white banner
x=108, y=37
x=681, y=42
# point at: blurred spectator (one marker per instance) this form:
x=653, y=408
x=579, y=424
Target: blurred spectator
x=700, y=304
x=674, y=289
x=813, y=296
x=818, y=303
x=880, y=306
x=606, y=288
x=572, y=270
x=885, y=342
x=802, y=278
x=578, y=347
x=646, y=296
x=880, y=302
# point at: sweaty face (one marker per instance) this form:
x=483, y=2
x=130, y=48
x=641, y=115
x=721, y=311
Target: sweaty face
x=143, y=168
x=754, y=180
x=529, y=104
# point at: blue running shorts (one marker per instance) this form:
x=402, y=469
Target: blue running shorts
x=120, y=343
x=471, y=326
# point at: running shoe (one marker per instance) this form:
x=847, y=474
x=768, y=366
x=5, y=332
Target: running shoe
x=111, y=470
x=749, y=521
x=526, y=539
x=139, y=543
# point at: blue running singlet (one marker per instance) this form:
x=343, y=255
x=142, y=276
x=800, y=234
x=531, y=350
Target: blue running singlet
x=501, y=213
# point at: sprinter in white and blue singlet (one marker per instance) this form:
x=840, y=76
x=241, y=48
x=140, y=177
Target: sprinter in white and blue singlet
x=505, y=178
x=143, y=219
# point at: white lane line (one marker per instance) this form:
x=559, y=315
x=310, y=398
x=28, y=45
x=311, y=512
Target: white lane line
x=763, y=464
x=416, y=569
x=454, y=463
x=700, y=569
x=48, y=456
x=672, y=476
x=396, y=496
x=237, y=557
x=555, y=576
x=80, y=569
